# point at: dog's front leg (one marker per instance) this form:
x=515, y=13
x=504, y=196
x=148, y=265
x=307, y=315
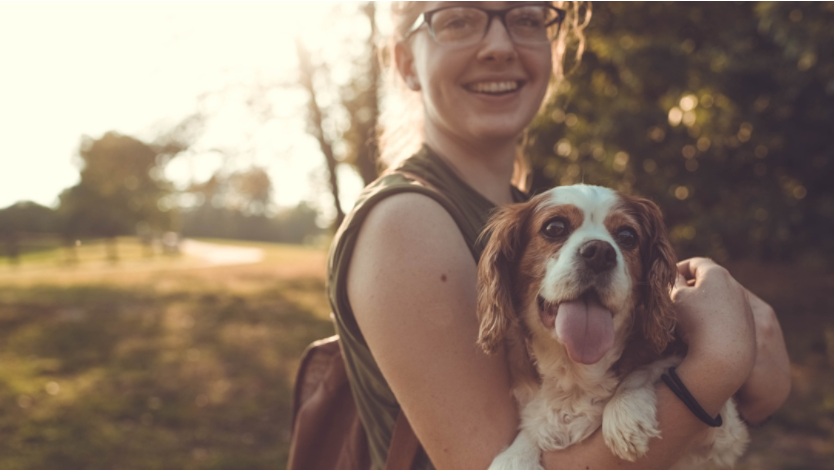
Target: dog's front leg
x=629, y=420
x=523, y=454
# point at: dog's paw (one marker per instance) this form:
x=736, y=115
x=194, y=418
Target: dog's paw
x=507, y=461
x=523, y=454
x=629, y=421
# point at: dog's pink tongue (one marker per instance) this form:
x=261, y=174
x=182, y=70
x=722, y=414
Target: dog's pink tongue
x=586, y=328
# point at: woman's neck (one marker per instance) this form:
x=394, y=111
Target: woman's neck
x=487, y=167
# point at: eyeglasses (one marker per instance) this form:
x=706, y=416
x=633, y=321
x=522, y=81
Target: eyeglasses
x=534, y=24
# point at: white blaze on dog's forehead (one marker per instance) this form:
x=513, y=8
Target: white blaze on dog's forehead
x=594, y=201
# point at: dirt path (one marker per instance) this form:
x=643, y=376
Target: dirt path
x=221, y=255
x=195, y=255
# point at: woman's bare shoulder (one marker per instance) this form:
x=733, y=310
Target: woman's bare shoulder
x=407, y=241
x=408, y=211
x=412, y=230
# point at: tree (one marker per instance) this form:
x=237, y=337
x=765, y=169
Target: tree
x=721, y=113
x=237, y=206
x=360, y=99
x=122, y=185
x=24, y=217
x=351, y=136
x=297, y=224
x=316, y=128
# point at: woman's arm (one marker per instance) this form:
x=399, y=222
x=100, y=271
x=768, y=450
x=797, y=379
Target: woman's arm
x=412, y=287
x=769, y=384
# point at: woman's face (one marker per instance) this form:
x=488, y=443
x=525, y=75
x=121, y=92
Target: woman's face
x=483, y=92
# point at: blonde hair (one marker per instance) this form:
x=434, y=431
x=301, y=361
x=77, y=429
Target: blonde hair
x=401, y=122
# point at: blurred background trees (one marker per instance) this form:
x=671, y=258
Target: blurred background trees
x=721, y=113
x=351, y=118
x=25, y=220
x=120, y=191
x=238, y=206
x=121, y=186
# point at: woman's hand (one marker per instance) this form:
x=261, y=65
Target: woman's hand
x=769, y=383
x=712, y=309
x=716, y=321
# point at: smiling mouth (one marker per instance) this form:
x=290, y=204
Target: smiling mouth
x=494, y=88
x=547, y=312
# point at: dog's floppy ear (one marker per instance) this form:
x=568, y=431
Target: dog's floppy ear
x=496, y=312
x=657, y=317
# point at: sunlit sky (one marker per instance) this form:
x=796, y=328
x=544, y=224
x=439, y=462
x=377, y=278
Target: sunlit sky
x=138, y=68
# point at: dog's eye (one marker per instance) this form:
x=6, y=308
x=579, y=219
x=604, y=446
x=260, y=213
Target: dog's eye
x=627, y=237
x=555, y=228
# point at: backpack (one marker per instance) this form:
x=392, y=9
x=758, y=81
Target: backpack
x=326, y=431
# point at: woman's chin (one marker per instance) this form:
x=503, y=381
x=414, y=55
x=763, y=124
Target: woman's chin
x=496, y=129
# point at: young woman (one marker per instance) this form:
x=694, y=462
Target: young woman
x=402, y=271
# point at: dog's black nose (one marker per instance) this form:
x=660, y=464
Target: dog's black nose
x=598, y=255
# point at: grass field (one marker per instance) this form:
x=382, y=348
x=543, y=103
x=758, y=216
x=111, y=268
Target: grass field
x=171, y=363
x=155, y=364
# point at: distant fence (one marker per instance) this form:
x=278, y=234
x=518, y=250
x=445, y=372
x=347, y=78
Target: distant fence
x=15, y=244
x=19, y=247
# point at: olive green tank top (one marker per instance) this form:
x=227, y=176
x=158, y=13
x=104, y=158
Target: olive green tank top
x=376, y=404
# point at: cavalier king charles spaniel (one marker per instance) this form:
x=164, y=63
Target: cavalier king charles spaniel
x=576, y=284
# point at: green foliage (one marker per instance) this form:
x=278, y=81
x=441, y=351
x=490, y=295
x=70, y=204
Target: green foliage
x=719, y=112
x=237, y=206
x=295, y=225
x=30, y=218
x=27, y=216
x=121, y=186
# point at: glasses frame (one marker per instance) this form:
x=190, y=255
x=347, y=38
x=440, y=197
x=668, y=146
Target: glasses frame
x=500, y=14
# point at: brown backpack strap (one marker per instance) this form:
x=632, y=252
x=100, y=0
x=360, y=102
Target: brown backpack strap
x=404, y=445
x=327, y=433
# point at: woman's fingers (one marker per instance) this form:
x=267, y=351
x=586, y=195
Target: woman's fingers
x=694, y=269
x=685, y=270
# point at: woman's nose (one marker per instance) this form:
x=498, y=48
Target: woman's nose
x=497, y=45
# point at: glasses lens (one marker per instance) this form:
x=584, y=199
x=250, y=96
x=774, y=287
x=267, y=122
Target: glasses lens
x=532, y=24
x=458, y=25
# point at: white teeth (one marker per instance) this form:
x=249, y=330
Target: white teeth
x=493, y=87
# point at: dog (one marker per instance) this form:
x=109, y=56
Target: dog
x=576, y=284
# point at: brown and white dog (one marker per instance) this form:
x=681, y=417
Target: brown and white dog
x=576, y=283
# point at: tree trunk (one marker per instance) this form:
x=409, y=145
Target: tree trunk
x=314, y=121
x=13, y=248
x=368, y=154
x=71, y=250
x=112, y=249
